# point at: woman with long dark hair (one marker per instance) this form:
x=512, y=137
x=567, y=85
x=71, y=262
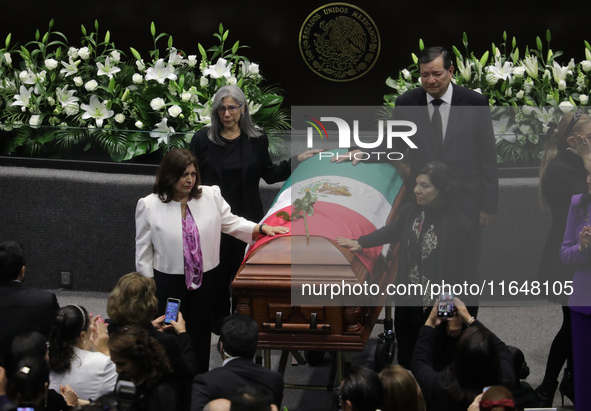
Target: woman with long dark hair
x=76, y=359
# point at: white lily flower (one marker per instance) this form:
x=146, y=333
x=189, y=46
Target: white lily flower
x=500, y=72
x=544, y=115
x=23, y=98
x=406, y=75
x=520, y=94
x=141, y=66
x=8, y=58
x=204, y=114
x=27, y=77
x=107, y=69
x=253, y=108
x=586, y=65
x=160, y=72
x=531, y=66
x=97, y=110
x=175, y=58
x=503, y=130
x=559, y=72
x=465, y=69
x=65, y=96
x=220, y=69
x=70, y=68
x=162, y=131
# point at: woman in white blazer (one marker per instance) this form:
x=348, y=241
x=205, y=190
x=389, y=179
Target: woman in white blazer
x=178, y=230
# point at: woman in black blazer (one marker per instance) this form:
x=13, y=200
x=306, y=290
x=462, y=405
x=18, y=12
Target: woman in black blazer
x=233, y=153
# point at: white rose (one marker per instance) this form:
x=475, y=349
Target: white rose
x=520, y=94
x=116, y=56
x=140, y=65
x=192, y=60
x=78, y=81
x=586, y=64
x=186, y=97
x=253, y=68
x=8, y=58
x=157, y=104
x=139, y=124
x=119, y=118
x=73, y=52
x=137, y=78
x=51, y=64
x=91, y=85
x=174, y=111
x=84, y=53
x=203, y=82
x=35, y=120
x=72, y=109
x=562, y=85
x=584, y=99
x=527, y=110
x=491, y=79
x=519, y=71
x=232, y=80
x=51, y=101
x=566, y=106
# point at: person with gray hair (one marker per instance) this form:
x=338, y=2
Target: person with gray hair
x=233, y=153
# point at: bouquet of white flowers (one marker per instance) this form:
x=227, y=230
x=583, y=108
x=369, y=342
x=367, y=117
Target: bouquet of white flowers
x=528, y=92
x=55, y=97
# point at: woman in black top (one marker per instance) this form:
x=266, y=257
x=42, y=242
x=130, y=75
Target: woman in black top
x=437, y=243
x=233, y=153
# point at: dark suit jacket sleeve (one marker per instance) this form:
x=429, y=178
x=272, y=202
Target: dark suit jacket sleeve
x=389, y=233
x=200, y=393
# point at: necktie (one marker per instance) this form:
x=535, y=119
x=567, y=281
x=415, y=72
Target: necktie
x=436, y=124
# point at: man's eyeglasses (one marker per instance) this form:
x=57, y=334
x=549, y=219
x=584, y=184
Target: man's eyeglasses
x=231, y=109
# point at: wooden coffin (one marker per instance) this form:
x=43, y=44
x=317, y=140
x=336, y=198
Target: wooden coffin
x=264, y=284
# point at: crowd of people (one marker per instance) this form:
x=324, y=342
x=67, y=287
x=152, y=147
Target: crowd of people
x=190, y=238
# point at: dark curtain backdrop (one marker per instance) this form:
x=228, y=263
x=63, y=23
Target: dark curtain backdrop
x=271, y=29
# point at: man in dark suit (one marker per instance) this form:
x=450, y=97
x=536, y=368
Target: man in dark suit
x=466, y=142
x=22, y=309
x=462, y=137
x=237, y=345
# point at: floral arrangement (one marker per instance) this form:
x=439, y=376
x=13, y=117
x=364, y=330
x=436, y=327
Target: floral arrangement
x=528, y=92
x=56, y=98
